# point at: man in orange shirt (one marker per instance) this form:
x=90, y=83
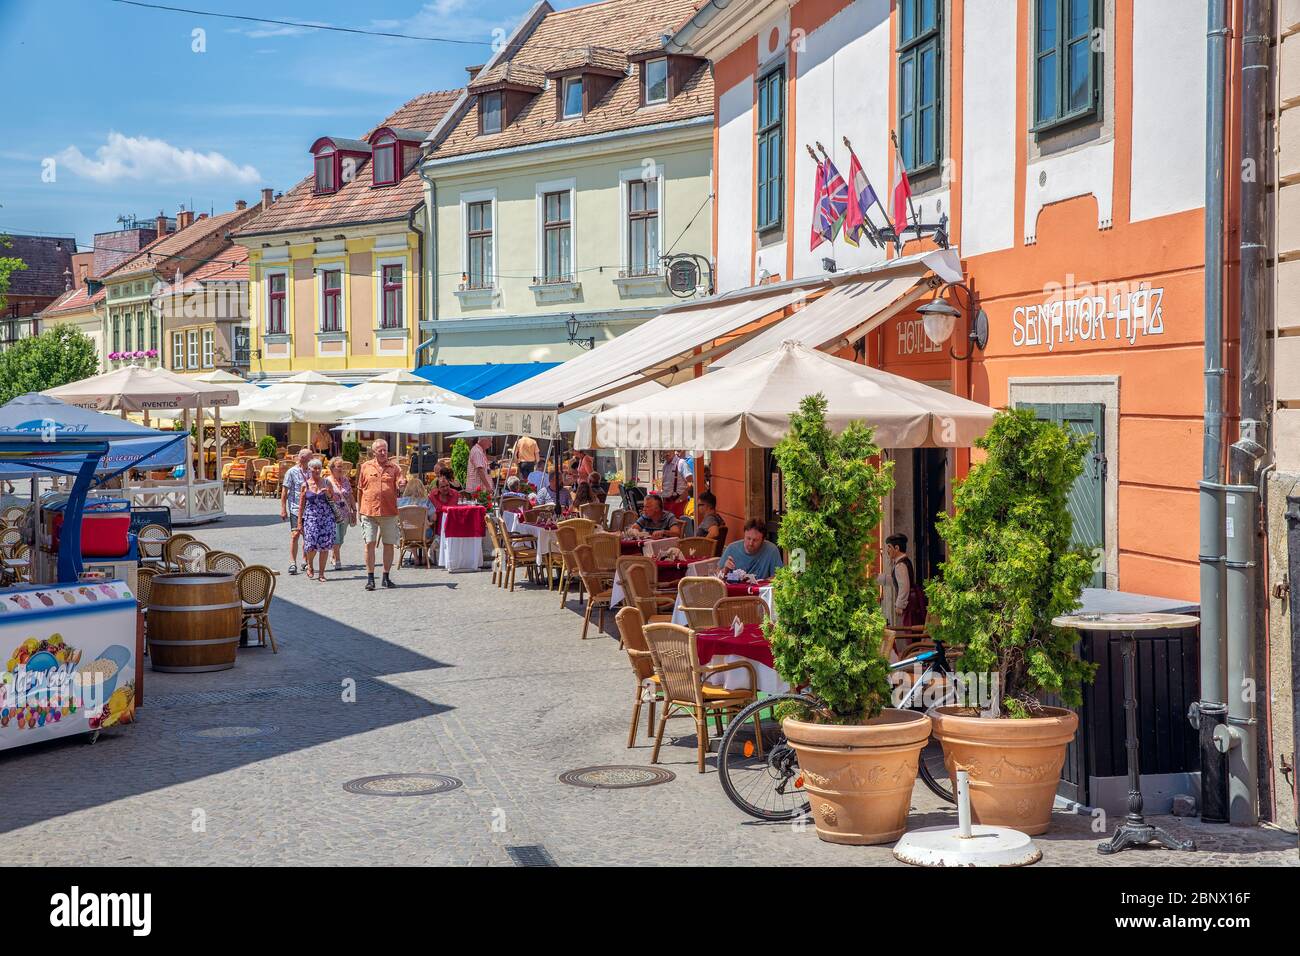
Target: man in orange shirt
x=379, y=481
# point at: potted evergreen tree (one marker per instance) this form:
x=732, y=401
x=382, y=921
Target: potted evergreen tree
x=1010, y=570
x=857, y=756
x=266, y=447
x=460, y=460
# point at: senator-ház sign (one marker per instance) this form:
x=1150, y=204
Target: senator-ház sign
x=1100, y=314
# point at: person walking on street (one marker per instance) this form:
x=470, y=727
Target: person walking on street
x=478, y=476
x=379, y=482
x=347, y=509
x=291, y=501
x=322, y=441
x=317, y=516
x=526, y=457
x=675, y=484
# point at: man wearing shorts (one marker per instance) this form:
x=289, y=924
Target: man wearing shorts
x=379, y=481
x=290, y=497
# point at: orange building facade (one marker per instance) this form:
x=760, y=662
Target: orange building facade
x=1073, y=189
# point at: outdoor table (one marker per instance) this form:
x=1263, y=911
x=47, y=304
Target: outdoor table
x=718, y=645
x=461, y=537
x=650, y=547
x=762, y=588
x=547, y=541
x=1134, y=830
x=668, y=572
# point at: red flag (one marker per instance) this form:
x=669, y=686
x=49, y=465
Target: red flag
x=902, y=193
x=861, y=196
x=819, y=195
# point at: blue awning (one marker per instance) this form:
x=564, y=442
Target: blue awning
x=479, y=381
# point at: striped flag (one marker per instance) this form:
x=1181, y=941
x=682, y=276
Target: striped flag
x=902, y=193
x=861, y=198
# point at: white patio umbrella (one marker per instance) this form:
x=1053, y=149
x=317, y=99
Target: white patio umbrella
x=300, y=397
x=391, y=388
x=246, y=389
x=412, y=420
x=134, y=388
x=421, y=406
x=748, y=406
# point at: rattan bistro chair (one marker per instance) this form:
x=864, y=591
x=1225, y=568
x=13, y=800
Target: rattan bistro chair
x=599, y=585
x=515, y=548
x=171, y=549
x=648, y=690
x=224, y=562
x=607, y=549
x=149, y=540
x=414, y=522
x=677, y=662
x=698, y=596
x=750, y=608
x=566, y=539
x=256, y=586
x=695, y=549
x=637, y=575
x=594, y=512
x=192, y=556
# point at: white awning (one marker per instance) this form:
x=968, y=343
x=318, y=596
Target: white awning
x=855, y=306
x=656, y=349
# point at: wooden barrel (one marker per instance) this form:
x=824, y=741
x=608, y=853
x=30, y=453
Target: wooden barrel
x=194, y=620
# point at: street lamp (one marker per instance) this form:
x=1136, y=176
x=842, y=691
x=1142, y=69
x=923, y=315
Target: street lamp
x=940, y=318
x=571, y=326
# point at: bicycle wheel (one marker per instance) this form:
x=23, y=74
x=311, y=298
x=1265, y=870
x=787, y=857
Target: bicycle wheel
x=931, y=769
x=765, y=784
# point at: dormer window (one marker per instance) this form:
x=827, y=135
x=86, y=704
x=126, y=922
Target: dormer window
x=327, y=180
x=384, y=165
x=491, y=112
x=572, y=93
x=655, y=77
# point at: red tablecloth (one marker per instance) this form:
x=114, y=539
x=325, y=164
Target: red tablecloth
x=719, y=641
x=743, y=590
x=464, y=521
x=670, y=571
x=630, y=546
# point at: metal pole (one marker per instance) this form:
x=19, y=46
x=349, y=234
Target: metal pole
x=1210, y=711
x=1293, y=580
x=1238, y=743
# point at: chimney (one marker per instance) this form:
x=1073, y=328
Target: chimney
x=266, y=198
x=240, y=205
x=185, y=218
x=203, y=215
x=161, y=224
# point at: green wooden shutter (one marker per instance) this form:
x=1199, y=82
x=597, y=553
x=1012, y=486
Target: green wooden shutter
x=1087, y=501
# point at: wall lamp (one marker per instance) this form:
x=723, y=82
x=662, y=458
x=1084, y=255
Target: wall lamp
x=940, y=318
x=571, y=326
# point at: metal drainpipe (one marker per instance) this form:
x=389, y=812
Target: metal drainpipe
x=1246, y=607
x=1293, y=563
x=1211, y=711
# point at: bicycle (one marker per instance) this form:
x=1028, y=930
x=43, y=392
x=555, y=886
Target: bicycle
x=768, y=786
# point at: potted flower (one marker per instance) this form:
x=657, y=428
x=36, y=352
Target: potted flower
x=857, y=755
x=114, y=356
x=1010, y=570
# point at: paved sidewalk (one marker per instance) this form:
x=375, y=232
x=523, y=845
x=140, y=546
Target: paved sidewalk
x=451, y=675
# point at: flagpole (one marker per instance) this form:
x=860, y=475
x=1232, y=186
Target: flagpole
x=898, y=157
x=879, y=204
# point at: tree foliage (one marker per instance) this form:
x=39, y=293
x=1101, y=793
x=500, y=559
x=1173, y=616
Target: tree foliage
x=460, y=460
x=1010, y=567
x=56, y=357
x=267, y=448
x=8, y=266
x=828, y=625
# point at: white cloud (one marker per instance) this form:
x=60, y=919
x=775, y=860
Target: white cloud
x=154, y=160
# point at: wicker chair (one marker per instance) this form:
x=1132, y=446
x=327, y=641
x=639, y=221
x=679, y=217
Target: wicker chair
x=599, y=585
x=414, y=522
x=253, y=475
x=566, y=538
x=515, y=548
x=607, y=548
x=143, y=593
x=638, y=577
x=621, y=520
x=696, y=549
x=21, y=552
x=631, y=633
x=494, y=530
x=750, y=608
x=583, y=526
x=268, y=478
x=171, y=547
x=236, y=479
x=10, y=538
x=698, y=596
x=677, y=662
x=14, y=515
x=256, y=586
x=224, y=562
x=594, y=512
x=537, y=515
x=515, y=503
x=150, y=539
x=192, y=556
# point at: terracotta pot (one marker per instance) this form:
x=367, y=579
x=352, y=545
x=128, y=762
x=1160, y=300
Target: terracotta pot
x=1014, y=764
x=859, y=777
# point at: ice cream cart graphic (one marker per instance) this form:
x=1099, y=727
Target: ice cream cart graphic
x=66, y=669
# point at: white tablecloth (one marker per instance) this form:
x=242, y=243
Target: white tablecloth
x=546, y=540
x=679, y=616
x=459, y=554
x=769, y=681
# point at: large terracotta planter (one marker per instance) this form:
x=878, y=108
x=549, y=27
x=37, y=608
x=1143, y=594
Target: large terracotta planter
x=859, y=777
x=1014, y=764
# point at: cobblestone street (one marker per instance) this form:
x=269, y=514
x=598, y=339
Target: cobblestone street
x=451, y=676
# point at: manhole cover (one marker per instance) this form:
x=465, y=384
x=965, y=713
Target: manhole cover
x=616, y=778
x=402, y=784
x=531, y=854
x=237, y=732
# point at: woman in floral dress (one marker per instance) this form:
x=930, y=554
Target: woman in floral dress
x=316, y=517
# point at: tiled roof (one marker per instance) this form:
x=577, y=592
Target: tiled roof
x=177, y=243
x=46, y=258
x=228, y=264
x=78, y=300
x=602, y=35
x=357, y=201
x=519, y=74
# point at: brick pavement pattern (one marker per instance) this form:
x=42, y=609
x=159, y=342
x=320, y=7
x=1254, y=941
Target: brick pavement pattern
x=450, y=675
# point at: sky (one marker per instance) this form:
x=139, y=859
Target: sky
x=113, y=109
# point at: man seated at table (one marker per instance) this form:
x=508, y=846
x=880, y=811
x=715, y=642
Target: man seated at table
x=657, y=522
x=708, y=523
x=753, y=553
